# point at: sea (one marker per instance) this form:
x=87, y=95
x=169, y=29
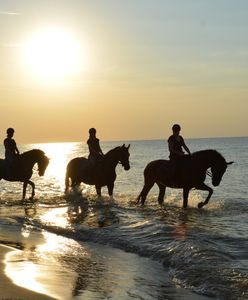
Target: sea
x=79, y=246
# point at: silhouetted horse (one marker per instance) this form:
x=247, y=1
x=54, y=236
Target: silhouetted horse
x=22, y=169
x=192, y=175
x=103, y=173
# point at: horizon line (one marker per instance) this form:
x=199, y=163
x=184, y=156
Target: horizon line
x=136, y=140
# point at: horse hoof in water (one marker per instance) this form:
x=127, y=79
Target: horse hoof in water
x=200, y=205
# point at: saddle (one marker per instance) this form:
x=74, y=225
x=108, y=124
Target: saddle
x=171, y=173
x=11, y=169
x=90, y=168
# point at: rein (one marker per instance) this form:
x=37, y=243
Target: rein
x=208, y=173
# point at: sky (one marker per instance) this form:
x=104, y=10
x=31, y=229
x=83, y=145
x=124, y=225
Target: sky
x=131, y=69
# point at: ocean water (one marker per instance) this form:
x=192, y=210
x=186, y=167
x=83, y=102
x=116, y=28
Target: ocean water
x=77, y=246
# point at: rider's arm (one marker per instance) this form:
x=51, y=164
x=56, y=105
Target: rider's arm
x=17, y=150
x=100, y=149
x=94, y=148
x=97, y=148
x=185, y=147
x=5, y=142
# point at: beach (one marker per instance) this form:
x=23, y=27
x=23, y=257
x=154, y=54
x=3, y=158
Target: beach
x=8, y=290
x=128, y=279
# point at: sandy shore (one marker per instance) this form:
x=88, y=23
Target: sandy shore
x=10, y=291
x=102, y=273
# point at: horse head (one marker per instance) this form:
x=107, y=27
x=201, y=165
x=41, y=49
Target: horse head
x=42, y=161
x=219, y=168
x=124, y=156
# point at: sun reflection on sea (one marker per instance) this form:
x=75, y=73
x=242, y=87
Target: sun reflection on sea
x=59, y=155
x=56, y=217
x=39, y=267
x=25, y=273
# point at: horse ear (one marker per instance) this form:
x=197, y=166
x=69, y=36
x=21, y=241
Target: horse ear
x=128, y=146
x=123, y=146
x=230, y=163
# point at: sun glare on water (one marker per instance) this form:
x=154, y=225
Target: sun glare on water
x=59, y=154
x=54, y=54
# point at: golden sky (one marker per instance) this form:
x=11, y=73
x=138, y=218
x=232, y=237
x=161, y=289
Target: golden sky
x=129, y=68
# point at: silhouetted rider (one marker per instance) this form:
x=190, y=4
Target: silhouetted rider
x=176, y=145
x=11, y=150
x=94, y=146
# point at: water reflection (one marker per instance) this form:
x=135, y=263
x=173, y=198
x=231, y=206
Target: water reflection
x=59, y=154
x=21, y=265
x=66, y=268
x=78, y=209
x=181, y=230
x=42, y=267
x=30, y=209
x=56, y=217
x=24, y=273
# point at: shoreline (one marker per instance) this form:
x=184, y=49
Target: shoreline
x=131, y=266
x=8, y=290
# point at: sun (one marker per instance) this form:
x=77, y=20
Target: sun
x=54, y=54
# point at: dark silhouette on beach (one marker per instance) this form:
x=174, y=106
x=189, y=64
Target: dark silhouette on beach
x=23, y=168
x=102, y=174
x=193, y=172
x=11, y=151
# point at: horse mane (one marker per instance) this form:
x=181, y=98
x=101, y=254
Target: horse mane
x=209, y=153
x=34, y=152
x=112, y=150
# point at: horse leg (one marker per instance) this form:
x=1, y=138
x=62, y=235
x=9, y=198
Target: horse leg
x=146, y=189
x=33, y=187
x=185, y=197
x=74, y=184
x=161, y=193
x=25, y=183
x=98, y=191
x=110, y=187
x=204, y=187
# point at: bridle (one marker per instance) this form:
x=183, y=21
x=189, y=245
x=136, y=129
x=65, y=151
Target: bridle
x=209, y=173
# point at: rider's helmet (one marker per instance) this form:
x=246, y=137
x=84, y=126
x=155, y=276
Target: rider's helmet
x=92, y=131
x=176, y=127
x=10, y=130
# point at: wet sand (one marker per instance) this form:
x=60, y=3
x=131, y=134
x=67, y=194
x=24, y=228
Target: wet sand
x=8, y=290
x=116, y=275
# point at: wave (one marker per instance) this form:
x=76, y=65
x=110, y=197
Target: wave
x=199, y=248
